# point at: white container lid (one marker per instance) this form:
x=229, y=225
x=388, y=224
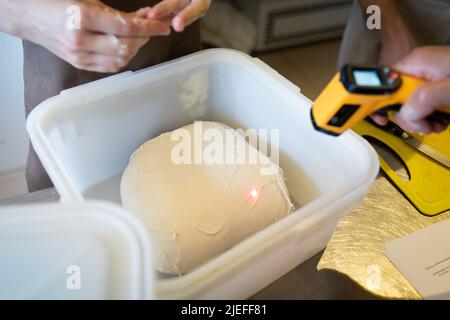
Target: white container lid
x=90, y=250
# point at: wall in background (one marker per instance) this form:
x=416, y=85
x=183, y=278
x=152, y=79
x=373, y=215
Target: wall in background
x=13, y=136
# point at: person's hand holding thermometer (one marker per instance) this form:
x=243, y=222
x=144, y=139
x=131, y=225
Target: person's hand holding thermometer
x=421, y=98
x=433, y=65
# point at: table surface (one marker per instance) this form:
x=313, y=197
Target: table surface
x=357, y=245
x=353, y=266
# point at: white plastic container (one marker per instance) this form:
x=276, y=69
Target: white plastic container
x=85, y=136
x=73, y=251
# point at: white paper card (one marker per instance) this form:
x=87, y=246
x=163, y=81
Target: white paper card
x=423, y=257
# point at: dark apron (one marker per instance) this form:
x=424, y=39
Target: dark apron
x=46, y=75
x=427, y=20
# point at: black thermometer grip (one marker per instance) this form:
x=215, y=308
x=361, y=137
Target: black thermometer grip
x=390, y=127
x=438, y=116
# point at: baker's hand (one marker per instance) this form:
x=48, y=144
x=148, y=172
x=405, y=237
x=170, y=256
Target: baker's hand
x=183, y=12
x=433, y=65
x=88, y=34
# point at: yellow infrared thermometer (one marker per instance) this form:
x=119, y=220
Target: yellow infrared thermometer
x=358, y=91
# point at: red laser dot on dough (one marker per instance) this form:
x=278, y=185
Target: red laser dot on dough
x=254, y=193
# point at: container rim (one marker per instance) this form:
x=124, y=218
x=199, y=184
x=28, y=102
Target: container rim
x=242, y=250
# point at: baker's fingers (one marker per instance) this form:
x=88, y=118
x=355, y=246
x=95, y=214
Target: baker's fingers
x=429, y=63
x=103, y=19
x=421, y=126
x=167, y=7
x=97, y=62
x=425, y=100
x=194, y=11
x=439, y=127
x=380, y=120
x=143, y=12
x=92, y=61
x=85, y=41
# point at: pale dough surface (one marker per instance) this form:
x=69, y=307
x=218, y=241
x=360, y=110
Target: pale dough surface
x=195, y=212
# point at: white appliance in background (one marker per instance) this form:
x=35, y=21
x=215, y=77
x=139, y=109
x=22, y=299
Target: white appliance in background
x=13, y=136
x=226, y=27
x=285, y=23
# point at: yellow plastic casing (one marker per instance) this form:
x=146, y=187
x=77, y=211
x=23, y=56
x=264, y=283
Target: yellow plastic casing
x=335, y=95
x=429, y=182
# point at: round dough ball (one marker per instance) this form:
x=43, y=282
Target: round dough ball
x=195, y=212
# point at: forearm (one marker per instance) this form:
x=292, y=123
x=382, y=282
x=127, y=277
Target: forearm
x=13, y=17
